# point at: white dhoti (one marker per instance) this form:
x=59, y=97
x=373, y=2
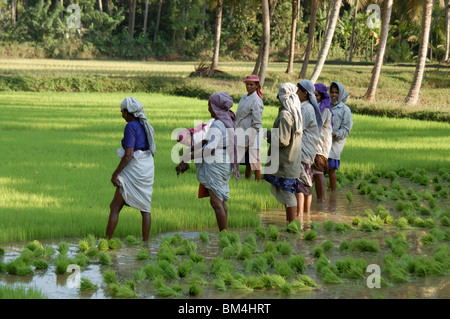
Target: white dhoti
x=136, y=181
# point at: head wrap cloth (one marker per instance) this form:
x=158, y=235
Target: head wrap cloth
x=311, y=90
x=287, y=93
x=136, y=108
x=255, y=78
x=326, y=100
x=343, y=94
x=221, y=103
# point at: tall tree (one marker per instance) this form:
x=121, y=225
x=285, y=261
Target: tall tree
x=131, y=17
x=158, y=19
x=215, y=59
x=447, y=32
x=257, y=68
x=385, y=20
x=357, y=5
x=13, y=12
x=266, y=39
x=312, y=27
x=290, y=67
x=329, y=33
x=413, y=95
x=100, y=6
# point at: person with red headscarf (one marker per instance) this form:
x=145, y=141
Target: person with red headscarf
x=248, y=125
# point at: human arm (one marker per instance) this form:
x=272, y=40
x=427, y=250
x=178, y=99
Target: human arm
x=346, y=125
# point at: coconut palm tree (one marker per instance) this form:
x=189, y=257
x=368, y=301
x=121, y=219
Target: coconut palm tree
x=385, y=20
x=290, y=68
x=158, y=19
x=131, y=17
x=257, y=68
x=215, y=59
x=266, y=41
x=327, y=40
x=447, y=32
x=357, y=5
x=312, y=26
x=413, y=95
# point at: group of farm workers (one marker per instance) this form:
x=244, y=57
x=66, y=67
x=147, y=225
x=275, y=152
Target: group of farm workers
x=306, y=142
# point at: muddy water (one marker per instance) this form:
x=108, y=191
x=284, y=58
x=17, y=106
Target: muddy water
x=336, y=208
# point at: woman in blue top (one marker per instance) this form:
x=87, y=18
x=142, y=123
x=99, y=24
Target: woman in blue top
x=134, y=175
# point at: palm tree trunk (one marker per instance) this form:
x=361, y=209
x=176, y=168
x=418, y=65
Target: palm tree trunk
x=131, y=17
x=215, y=60
x=447, y=33
x=158, y=19
x=100, y=7
x=385, y=20
x=145, y=18
x=355, y=14
x=109, y=5
x=266, y=37
x=327, y=40
x=312, y=26
x=413, y=95
x=257, y=68
x=13, y=12
x=290, y=68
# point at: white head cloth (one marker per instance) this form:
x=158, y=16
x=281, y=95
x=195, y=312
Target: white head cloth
x=136, y=108
x=287, y=93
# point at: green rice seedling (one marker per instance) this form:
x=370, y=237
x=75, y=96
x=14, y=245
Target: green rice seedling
x=430, y=222
x=397, y=244
x=125, y=291
x=260, y=232
x=254, y=282
x=63, y=247
x=153, y=271
x=220, y=265
x=139, y=275
x=356, y=221
x=82, y=260
x=352, y=268
x=132, y=240
x=18, y=267
x=83, y=246
x=114, y=243
x=329, y=277
x=40, y=264
x=349, y=196
x=404, y=206
x=424, y=211
x=365, y=245
x=294, y=227
x=286, y=289
x=246, y=252
x=231, y=251
x=314, y=225
x=102, y=244
x=318, y=251
x=219, y=284
x=91, y=239
x=2, y=251
x=143, y=254
x=433, y=203
x=321, y=263
x=199, y=268
x=176, y=239
x=327, y=245
x=297, y=263
x=402, y=223
x=270, y=247
x=92, y=252
x=198, y=279
x=195, y=289
x=196, y=257
x=26, y=256
x=238, y=285
x=49, y=251
x=166, y=252
x=204, y=237
x=62, y=262
x=283, y=268
x=304, y=282
x=391, y=175
x=437, y=187
x=272, y=232
x=87, y=285
x=35, y=244
x=444, y=221
x=328, y=225
x=258, y=265
x=428, y=240
x=427, y=195
x=109, y=277
x=184, y=268
x=19, y=292
x=170, y=272
x=233, y=237
x=224, y=242
x=368, y=225
x=341, y=227
x=437, y=233
x=399, y=275
x=105, y=258
x=310, y=235
x=443, y=193
x=345, y=245
x=251, y=241
x=272, y=281
x=284, y=248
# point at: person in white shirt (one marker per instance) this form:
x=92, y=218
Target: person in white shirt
x=249, y=127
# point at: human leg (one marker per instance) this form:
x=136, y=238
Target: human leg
x=115, y=207
x=333, y=178
x=319, y=180
x=146, y=224
x=220, y=210
x=300, y=207
x=290, y=213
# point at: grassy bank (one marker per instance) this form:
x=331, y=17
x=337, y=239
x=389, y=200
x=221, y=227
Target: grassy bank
x=60, y=151
x=175, y=78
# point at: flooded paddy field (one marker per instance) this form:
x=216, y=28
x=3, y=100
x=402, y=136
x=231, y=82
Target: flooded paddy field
x=328, y=259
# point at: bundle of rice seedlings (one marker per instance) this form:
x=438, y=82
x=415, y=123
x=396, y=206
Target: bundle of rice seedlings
x=63, y=247
x=438, y=234
x=109, y=277
x=430, y=222
x=272, y=233
x=310, y=235
x=283, y=268
x=176, y=239
x=197, y=278
x=427, y=195
x=204, y=237
x=399, y=275
x=286, y=289
x=443, y=193
x=82, y=260
x=132, y=240
x=437, y=187
x=258, y=265
x=445, y=221
x=153, y=271
x=259, y=231
x=297, y=263
x=250, y=240
x=103, y=244
x=318, y=251
x=304, y=282
x=391, y=175
x=254, y=282
x=327, y=245
x=270, y=247
x=246, y=252
x=184, y=268
x=220, y=265
x=92, y=252
x=272, y=281
x=329, y=277
x=2, y=251
x=404, y=206
x=196, y=258
x=365, y=245
x=433, y=203
x=284, y=248
x=219, y=284
x=87, y=285
x=125, y=291
x=345, y=245
x=294, y=227
x=18, y=267
x=270, y=258
x=105, y=258
x=26, y=256
x=40, y=264
x=357, y=221
x=402, y=223
x=195, y=289
x=424, y=211
x=199, y=268
x=139, y=275
x=239, y=285
x=83, y=246
x=349, y=196
x=166, y=252
x=397, y=244
x=62, y=262
x=143, y=254
x=224, y=242
x=351, y=268
x=428, y=240
x=231, y=251
x=328, y=225
x=35, y=244
x=341, y=227
x=114, y=243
